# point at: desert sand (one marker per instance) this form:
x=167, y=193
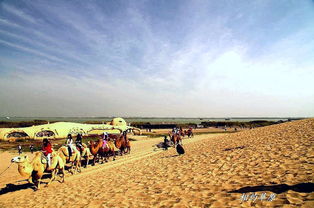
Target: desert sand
x=215, y=171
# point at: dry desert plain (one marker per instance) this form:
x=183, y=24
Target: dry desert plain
x=217, y=170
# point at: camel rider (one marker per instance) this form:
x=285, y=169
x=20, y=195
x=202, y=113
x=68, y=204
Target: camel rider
x=174, y=130
x=105, y=139
x=125, y=133
x=47, y=150
x=69, y=143
x=78, y=142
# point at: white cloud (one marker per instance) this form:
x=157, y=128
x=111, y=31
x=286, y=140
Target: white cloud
x=18, y=12
x=32, y=51
x=123, y=64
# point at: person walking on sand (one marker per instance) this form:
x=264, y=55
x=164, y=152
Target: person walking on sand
x=180, y=149
x=31, y=148
x=47, y=150
x=166, y=142
x=19, y=149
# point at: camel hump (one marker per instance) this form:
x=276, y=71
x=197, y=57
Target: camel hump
x=63, y=151
x=37, y=154
x=111, y=145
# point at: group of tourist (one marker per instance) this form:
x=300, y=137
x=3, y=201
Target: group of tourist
x=78, y=143
x=31, y=148
x=179, y=131
x=47, y=147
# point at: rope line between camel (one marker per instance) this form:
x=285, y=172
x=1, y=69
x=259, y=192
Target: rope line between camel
x=6, y=169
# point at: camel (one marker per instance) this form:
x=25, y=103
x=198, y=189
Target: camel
x=35, y=169
x=162, y=145
x=181, y=132
x=86, y=154
x=94, y=148
x=175, y=138
x=128, y=146
x=104, y=151
x=107, y=150
x=75, y=159
x=122, y=143
x=189, y=132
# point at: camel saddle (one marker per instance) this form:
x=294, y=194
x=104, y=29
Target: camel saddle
x=78, y=148
x=83, y=147
x=105, y=144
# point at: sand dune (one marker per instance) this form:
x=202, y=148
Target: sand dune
x=215, y=172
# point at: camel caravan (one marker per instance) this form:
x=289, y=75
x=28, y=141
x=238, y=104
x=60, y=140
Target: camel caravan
x=73, y=155
x=177, y=134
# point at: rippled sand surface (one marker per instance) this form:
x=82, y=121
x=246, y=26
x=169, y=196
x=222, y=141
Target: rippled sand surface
x=215, y=171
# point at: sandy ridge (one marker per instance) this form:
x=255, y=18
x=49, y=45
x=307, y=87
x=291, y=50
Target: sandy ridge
x=213, y=173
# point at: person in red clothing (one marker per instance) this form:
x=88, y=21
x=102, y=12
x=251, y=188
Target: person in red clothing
x=47, y=150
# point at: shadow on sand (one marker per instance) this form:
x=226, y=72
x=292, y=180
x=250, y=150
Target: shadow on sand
x=171, y=156
x=278, y=189
x=234, y=148
x=12, y=187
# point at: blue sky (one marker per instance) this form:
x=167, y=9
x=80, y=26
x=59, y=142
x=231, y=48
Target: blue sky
x=157, y=58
